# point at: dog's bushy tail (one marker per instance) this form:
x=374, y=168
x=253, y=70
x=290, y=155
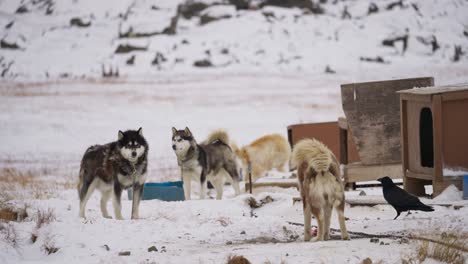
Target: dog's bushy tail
x=217, y=135
x=314, y=153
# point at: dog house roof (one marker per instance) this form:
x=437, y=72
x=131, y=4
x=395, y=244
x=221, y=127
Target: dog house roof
x=436, y=90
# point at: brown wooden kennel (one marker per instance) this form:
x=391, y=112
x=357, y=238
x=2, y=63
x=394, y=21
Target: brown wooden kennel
x=434, y=129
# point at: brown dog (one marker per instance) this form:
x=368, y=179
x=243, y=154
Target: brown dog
x=320, y=186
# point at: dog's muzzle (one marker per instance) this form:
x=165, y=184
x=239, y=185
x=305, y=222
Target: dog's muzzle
x=134, y=154
x=174, y=147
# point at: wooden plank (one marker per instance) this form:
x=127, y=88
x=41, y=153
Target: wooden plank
x=420, y=176
x=404, y=134
x=455, y=96
x=355, y=173
x=416, y=98
x=372, y=110
x=437, y=133
x=272, y=184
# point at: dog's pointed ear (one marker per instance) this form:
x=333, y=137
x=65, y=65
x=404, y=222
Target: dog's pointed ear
x=121, y=135
x=174, y=131
x=187, y=131
x=140, y=131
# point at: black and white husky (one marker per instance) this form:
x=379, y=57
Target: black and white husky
x=112, y=168
x=212, y=160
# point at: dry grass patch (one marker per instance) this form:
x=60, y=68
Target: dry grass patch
x=20, y=184
x=448, y=247
x=9, y=234
x=43, y=217
x=49, y=246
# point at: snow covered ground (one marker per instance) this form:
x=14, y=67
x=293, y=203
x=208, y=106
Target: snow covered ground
x=268, y=72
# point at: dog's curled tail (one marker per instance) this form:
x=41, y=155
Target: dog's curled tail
x=217, y=135
x=314, y=153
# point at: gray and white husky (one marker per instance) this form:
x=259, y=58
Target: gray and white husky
x=212, y=160
x=112, y=168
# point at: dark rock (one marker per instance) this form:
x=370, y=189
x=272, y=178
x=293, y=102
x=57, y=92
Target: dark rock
x=172, y=28
x=395, y=4
x=78, y=22
x=311, y=6
x=9, y=25
x=152, y=249
x=106, y=247
x=7, y=45
x=190, y=9
x=458, y=53
x=124, y=253
x=131, y=60
x=126, y=48
x=374, y=240
x=203, y=63
x=224, y=51
x=205, y=19
x=377, y=59
x=373, y=8
x=185, y=42
x=22, y=9
x=242, y=233
x=329, y=70
x=158, y=59
x=229, y=243
x=240, y=4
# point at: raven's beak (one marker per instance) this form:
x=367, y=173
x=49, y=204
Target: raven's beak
x=379, y=179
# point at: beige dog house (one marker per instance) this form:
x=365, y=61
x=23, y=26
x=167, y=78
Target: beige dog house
x=434, y=129
x=372, y=112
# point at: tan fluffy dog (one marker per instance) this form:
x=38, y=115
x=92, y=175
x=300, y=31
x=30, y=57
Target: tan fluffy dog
x=264, y=154
x=320, y=186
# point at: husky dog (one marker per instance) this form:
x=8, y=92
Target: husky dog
x=320, y=186
x=264, y=154
x=212, y=160
x=112, y=168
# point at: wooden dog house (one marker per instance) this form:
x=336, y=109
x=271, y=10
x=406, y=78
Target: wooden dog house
x=372, y=112
x=327, y=132
x=434, y=129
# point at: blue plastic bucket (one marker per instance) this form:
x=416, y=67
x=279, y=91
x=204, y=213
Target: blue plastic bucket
x=465, y=187
x=165, y=191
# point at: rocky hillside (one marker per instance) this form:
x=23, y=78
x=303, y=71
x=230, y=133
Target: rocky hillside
x=52, y=39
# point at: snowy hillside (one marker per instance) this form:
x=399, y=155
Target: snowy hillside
x=47, y=39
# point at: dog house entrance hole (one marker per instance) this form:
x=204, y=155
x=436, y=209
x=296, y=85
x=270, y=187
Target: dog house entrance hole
x=426, y=138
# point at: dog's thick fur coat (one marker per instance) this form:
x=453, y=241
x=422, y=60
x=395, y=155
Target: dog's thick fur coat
x=264, y=154
x=212, y=160
x=113, y=167
x=320, y=186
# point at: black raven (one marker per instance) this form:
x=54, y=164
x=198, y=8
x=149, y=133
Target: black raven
x=400, y=199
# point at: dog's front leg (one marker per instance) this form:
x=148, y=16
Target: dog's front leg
x=116, y=201
x=187, y=184
x=137, y=193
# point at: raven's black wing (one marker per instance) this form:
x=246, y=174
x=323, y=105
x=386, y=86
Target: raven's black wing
x=402, y=200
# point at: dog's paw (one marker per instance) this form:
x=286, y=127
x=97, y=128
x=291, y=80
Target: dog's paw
x=345, y=237
x=107, y=216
